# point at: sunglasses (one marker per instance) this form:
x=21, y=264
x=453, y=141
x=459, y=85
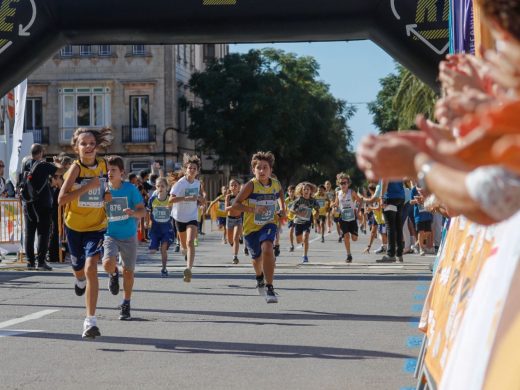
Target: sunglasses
x=2, y=166
x=343, y=183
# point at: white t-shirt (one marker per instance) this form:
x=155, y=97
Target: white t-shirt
x=185, y=211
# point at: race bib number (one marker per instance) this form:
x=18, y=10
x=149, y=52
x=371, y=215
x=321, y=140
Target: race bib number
x=304, y=213
x=115, y=209
x=94, y=197
x=266, y=216
x=222, y=206
x=161, y=214
x=191, y=191
x=347, y=214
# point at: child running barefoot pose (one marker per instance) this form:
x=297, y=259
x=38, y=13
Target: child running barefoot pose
x=83, y=195
x=344, y=203
x=290, y=215
x=323, y=202
x=161, y=233
x=257, y=200
x=124, y=211
x=233, y=220
x=302, y=209
x=185, y=196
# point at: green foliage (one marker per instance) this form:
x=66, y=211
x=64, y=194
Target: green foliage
x=401, y=98
x=271, y=100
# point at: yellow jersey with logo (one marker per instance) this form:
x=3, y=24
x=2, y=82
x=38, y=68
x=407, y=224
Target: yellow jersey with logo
x=221, y=206
x=265, y=196
x=288, y=203
x=87, y=212
x=323, y=201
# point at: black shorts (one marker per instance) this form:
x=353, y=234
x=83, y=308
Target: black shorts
x=290, y=224
x=424, y=226
x=322, y=218
x=299, y=228
x=349, y=227
x=183, y=226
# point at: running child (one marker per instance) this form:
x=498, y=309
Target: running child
x=83, y=194
x=323, y=201
x=302, y=209
x=233, y=219
x=161, y=232
x=290, y=215
x=344, y=204
x=331, y=195
x=220, y=203
x=423, y=222
x=185, y=196
x=124, y=212
x=257, y=200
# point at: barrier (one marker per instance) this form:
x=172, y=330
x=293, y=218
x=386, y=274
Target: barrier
x=11, y=226
x=470, y=316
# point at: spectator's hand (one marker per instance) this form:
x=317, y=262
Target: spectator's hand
x=129, y=212
x=460, y=72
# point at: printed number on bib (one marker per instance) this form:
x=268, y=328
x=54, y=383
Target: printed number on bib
x=94, y=197
x=268, y=215
x=191, y=191
x=161, y=214
x=347, y=214
x=307, y=211
x=115, y=209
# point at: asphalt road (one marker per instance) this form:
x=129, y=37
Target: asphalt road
x=336, y=326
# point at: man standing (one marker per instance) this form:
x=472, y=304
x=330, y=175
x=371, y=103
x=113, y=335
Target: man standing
x=37, y=211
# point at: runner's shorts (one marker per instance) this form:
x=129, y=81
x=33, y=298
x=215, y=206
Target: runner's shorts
x=82, y=245
x=300, y=228
x=254, y=240
x=349, y=227
x=126, y=249
x=424, y=226
x=221, y=221
x=183, y=226
x=161, y=233
x=231, y=222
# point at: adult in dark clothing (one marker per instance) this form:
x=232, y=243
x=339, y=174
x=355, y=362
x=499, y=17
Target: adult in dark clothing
x=54, y=239
x=393, y=201
x=37, y=214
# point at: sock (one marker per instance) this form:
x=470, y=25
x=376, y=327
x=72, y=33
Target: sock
x=90, y=320
x=81, y=283
x=125, y=302
x=260, y=277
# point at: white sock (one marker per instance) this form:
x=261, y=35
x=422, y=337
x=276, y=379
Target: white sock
x=81, y=283
x=90, y=320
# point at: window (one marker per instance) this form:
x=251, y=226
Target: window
x=209, y=52
x=105, y=50
x=33, y=114
x=138, y=50
x=85, y=50
x=66, y=51
x=136, y=166
x=139, y=112
x=84, y=107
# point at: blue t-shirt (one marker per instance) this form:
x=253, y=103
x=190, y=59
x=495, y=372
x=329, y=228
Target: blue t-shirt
x=395, y=190
x=419, y=213
x=120, y=225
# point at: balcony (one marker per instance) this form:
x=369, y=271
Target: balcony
x=139, y=135
x=40, y=136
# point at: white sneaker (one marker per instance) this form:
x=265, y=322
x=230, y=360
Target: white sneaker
x=422, y=252
x=380, y=250
x=90, y=330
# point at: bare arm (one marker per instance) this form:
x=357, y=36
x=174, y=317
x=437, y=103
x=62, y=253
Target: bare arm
x=66, y=195
x=139, y=212
x=242, y=196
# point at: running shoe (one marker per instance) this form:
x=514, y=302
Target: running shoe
x=31, y=267
x=349, y=259
x=113, y=283
x=196, y=242
x=380, y=250
x=323, y=239
x=246, y=251
x=187, y=275
x=124, y=314
x=79, y=291
x=387, y=259
x=235, y=260
x=340, y=238
x=44, y=267
x=241, y=240
x=164, y=272
x=260, y=282
x=422, y=252
x=270, y=295
x=276, y=250
x=177, y=248
x=305, y=259
x=400, y=259
x=291, y=249
x=90, y=330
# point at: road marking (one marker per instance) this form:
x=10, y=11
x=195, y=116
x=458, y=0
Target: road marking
x=300, y=247
x=26, y=318
x=409, y=365
x=419, y=297
x=422, y=287
x=417, y=308
x=414, y=341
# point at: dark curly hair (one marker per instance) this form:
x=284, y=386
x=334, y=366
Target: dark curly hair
x=505, y=12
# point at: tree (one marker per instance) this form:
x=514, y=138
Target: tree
x=271, y=100
x=401, y=98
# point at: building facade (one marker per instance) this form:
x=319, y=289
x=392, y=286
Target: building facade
x=134, y=89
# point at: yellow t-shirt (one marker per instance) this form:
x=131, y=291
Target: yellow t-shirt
x=221, y=206
x=261, y=196
x=288, y=203
x=87, y=213
x=323, y=201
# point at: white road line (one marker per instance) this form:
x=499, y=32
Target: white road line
x=314, y=239
x=26, y=318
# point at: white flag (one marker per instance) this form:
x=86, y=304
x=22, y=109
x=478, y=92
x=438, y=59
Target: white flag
x=20, y=98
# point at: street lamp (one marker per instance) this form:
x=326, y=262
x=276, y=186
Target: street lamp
x=164, y=142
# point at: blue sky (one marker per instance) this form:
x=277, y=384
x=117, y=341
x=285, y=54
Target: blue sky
x=352, y=69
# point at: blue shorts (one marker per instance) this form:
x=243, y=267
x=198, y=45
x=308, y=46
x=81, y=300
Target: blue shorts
x=159, y=234
x=221, y=221
x=82, y=245
x=381, y=229
x=254, y=240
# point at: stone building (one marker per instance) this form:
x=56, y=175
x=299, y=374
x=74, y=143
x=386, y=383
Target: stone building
x=134, y=89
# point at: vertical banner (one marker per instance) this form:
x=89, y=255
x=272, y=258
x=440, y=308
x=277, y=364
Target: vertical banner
x=20, y=98
x=461, y=27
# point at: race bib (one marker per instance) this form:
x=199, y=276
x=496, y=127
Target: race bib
x=194, y=191
x=221, y=205
x=321, y=203
x=115, y=209
x=268, y=215
x=421, y=209
x=304, y=213
x=347, y=214
x=94, y=198
x=161, y=214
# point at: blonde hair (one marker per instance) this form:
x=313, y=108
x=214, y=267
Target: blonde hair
x=341, y=176
x=298, y=192
x=262, y=156
x=188, y=159
x=103, y=136
x=162, y=180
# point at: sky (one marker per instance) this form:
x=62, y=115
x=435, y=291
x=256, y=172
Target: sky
x=352, y=69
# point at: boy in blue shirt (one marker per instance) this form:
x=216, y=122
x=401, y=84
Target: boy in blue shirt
x=123, y=213
x=423, y=221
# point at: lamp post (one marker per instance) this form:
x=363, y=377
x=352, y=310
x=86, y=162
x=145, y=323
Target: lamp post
x=164, y=142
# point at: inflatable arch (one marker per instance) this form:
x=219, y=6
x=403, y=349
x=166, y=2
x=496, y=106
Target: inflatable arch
x=414, y=32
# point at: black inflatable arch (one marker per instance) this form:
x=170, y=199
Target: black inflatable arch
x=415, y=32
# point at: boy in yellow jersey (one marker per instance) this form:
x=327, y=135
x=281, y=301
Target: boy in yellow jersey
x=84, y=195
x=323, y=202
x=221, y=213
x=290, y=215
x=257, y=200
